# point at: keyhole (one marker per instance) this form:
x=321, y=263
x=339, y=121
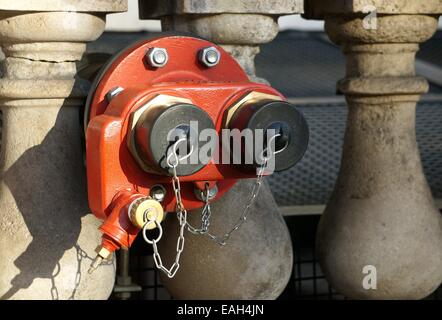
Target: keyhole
x=283, y=131
x=183, y=131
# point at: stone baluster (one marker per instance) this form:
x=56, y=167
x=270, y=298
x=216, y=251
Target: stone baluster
x=240, y=27
x=47, y=236
x=257, y=262
x=380, y=236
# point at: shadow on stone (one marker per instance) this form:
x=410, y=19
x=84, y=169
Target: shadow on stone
x=49, y=187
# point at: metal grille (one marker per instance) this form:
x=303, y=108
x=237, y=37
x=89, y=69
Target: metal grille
x=307, y=281
x=429, y=137
x=312, y=180
x=145, y=274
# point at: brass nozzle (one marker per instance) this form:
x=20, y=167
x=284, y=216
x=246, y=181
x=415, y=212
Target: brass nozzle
x=95, y=264
x=102, y=253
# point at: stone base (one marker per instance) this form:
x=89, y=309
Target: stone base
x=256, y=263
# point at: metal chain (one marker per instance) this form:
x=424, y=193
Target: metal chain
x=181, y=215
x=266, y=155
x=222, y=241
x=205, y=215
x=80, y=255
x=206, y=212
x=54, y=289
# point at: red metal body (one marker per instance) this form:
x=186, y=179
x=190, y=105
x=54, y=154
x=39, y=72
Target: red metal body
x=114, y=177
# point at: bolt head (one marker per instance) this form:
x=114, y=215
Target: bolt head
x=113, y=93
x=157, y=57
x=158, y=192
x=213, y=192
x=201, y=196
x=210, y=56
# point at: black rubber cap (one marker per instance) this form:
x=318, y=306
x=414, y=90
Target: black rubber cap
x=159, y=127
x=282, y=117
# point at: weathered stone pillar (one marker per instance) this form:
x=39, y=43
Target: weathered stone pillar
x=257, y=261
x=381, y=216
x=47, y=237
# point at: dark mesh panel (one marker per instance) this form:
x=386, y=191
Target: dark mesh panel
x=311, y=181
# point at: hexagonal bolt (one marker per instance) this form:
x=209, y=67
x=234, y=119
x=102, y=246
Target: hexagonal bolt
x=112, y=93
x=157, y=57
x=209, y=56
x=158, y=192
x=200, y=195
